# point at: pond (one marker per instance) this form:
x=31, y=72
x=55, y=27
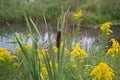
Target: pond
x=88, y=36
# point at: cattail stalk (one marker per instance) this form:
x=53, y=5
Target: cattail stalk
x=58, y=39
x=58, y=44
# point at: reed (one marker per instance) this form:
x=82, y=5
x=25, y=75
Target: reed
x=64, y=61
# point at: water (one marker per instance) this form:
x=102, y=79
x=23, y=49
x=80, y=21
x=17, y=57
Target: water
x=7, y=37
x=89, y=37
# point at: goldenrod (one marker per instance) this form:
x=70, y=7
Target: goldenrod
x=78, y=15
x=114, y=49
x=41, y=53
x=106, y=28
x=6, y=57
x=55, y=49
x=29, y=46
x=15, y=65
x=51, y=65
x=2, y=59
x=28, y=35
x=18, y=49
x=102, y=70
x=78, y=52
x=44, y=71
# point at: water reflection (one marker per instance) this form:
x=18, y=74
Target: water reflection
x=7, y=35
x=3, y=43
x=44, y=39
x=88, y=37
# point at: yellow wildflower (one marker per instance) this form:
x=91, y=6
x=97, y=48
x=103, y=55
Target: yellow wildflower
x=55, y=49
x=102, y=70
x=2, y=59
x=56, y=65
x=18, y=49
x=13, y=57
x=28, y=35
x=4, y=52
x=29, y=46
x=40, y=56
x=78, y=52
x=44, y=71
x=110, y=51
x=41, y=53
x=106, y=28
x=51, y=65
x=115, y=48
x=78, y=15
x=108, y=34
x=6, y=56
x=2, y=49
x=15, y=64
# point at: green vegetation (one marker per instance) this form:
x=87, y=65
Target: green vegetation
x=63, y=60
x=95, y=11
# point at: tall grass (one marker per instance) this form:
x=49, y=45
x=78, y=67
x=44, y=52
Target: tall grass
x=62, y=61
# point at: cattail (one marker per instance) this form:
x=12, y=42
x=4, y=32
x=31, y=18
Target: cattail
x=58, y=39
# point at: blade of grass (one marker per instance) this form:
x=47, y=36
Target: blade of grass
x=47, y=63
x=34, y=26
x=45, y=21
x=27, y=22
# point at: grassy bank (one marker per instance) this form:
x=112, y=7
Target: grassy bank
x=96, y=11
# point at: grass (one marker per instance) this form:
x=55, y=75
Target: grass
x=96, y=11
x=61, y=61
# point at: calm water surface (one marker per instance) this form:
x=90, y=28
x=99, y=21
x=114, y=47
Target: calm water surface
x=88, y=36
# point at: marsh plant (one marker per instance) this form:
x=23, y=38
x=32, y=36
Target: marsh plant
x=61, y=61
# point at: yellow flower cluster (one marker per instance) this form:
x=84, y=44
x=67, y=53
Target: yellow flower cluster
x=78, y=52
x=27, y=46
x=44, y=71
x=61, y=45
x=55, y=49
x=78, y=15
x=28, y=35
x=41, y=53
x=102, y=70
x=5, y=56
x=106, y=28
x=56, y=65
x=66, y=50
x=18, y=49
x=115, y=48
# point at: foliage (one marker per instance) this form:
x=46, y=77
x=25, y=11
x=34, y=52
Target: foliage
x=96, y=11
x=8, y=64
x=64, y=61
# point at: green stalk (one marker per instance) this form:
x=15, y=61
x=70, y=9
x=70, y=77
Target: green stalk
x=27, y=22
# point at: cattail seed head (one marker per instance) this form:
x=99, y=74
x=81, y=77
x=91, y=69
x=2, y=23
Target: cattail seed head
x=58, y=39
